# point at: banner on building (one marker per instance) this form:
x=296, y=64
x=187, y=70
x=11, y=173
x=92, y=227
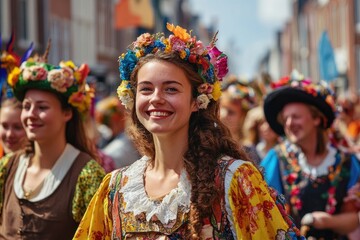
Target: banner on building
x=134, y=13
x=327, y=63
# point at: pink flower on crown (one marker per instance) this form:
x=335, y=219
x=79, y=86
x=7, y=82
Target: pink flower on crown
x=144, y=40
x=177, y=43
x=57, y=80
x=206, y=88
x=214, y=52
x=68, y=76
x=34, y=73
x=222, y=67
x=198, y=48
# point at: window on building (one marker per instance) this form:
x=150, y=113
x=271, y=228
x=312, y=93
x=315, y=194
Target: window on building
x=23, y=20
x=106, y=36
x=357, y=15
x=358, y=67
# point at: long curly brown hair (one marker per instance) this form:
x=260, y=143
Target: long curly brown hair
x=208, y=140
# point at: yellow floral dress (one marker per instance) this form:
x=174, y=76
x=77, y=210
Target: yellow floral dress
x=247, y=209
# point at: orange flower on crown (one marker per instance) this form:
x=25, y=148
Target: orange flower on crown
x=178, y=31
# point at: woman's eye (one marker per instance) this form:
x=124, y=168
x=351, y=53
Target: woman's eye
x=171, y=89
x=43, y=107
x=26, y=107
x=145, y=89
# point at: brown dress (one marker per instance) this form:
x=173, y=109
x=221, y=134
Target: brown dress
x=51, y=217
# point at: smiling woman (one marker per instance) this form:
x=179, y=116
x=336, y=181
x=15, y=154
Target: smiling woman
x=46, y=187
x=12, y=133
x=192, y=182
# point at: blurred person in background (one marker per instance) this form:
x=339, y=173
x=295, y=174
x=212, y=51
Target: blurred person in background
x=112, y=114
x=12, y=133
x=347, y=123
x=46, y=187
x=312, y=174
x=236, y=100
x=258, y=135
x=257, y=132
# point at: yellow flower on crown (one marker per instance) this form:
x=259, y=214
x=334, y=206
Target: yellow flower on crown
x=13, y=77
x=217, y=91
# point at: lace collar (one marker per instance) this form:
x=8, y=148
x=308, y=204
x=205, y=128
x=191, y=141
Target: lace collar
x=138, y=202
x=314, y=172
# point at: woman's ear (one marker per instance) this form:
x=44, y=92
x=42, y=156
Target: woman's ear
x=68, y=113
x=194, y=106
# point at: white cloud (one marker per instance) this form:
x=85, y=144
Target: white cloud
x=273, y=12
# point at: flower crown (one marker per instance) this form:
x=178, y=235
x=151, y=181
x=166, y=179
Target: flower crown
x=241, y=91
x=210, y=62
x=107, y=108
x=66, y=79
x=298, y=81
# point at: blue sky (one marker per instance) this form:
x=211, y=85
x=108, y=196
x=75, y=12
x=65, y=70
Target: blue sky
x=250, y=25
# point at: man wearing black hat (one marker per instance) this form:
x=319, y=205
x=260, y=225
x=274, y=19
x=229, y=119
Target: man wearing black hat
x=312, y=174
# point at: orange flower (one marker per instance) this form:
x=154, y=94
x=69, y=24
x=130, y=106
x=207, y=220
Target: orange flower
x=178, y=32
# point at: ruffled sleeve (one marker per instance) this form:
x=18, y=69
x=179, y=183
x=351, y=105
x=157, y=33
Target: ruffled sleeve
x=252, y=208
x=96, y=223
x=86, y=186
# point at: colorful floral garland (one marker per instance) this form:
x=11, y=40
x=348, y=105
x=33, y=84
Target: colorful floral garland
x=293, y=178
x=297, y=80
x=211, y=63
x=67, y=79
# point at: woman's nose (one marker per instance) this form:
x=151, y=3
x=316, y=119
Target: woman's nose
x=30, y=112
x=157, y=97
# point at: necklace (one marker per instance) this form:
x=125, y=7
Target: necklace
x=295, y=179
x=29, y=193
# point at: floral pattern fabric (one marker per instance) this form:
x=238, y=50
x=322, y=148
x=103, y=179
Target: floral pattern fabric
x=256, y=212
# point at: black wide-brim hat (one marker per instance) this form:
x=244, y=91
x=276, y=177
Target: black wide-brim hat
x=277, y=99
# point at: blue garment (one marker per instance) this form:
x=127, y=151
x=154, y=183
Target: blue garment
x=273, y=175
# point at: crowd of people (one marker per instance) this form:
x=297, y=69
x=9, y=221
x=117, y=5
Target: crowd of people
x=182, y=149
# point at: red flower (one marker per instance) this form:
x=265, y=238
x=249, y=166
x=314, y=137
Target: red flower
x=332, y=190
x=192, y=58
x=292, y=177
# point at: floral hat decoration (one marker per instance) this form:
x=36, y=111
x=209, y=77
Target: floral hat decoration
x=297, y=88
x=109, y=110
x=8, y=61
x=210, y=62
x=240, y=91
x=66, y=79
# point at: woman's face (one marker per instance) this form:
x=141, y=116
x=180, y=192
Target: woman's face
x=13, y=136
x=42, y=116
x=164, y=102
x=299, y=124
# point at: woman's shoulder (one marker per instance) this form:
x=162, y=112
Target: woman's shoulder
x=132, y=169
x=229, y=163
